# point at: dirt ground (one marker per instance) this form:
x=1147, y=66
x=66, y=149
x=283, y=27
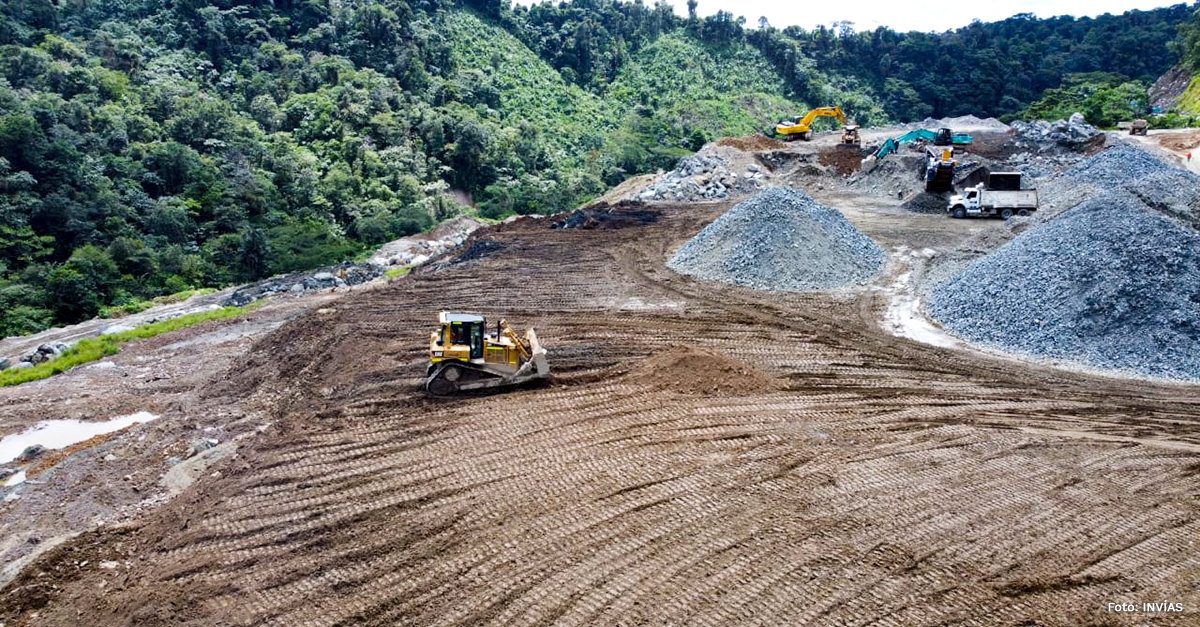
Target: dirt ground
x=704, y=455
x=1175, y=143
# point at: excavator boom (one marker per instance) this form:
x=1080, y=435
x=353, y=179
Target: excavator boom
x=940, y=137
x=800, y=127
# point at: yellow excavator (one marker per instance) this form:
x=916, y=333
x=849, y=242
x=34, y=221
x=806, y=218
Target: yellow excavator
x=463, y=355
x=800, y=126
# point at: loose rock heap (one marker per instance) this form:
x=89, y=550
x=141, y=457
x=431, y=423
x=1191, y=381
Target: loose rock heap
x=299, y=282
x=1073, y=132
x=704, y=177
x=781, y=239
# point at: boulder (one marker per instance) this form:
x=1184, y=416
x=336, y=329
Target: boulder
x=115, y=328
x=5, y=364
x=31, y=453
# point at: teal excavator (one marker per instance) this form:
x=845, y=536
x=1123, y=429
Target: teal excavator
x=940, y=137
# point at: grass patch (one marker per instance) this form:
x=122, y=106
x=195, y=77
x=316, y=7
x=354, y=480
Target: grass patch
x=120, y=311
x=395, y=273
x=94, y=348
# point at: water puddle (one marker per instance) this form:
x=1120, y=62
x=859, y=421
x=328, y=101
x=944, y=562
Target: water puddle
x=56, y=434
x=904, y=317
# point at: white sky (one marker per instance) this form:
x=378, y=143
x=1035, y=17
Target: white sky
x=903, y=15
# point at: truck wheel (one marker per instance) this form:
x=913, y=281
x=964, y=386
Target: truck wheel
x=1006, y=214
x=960, y=213
x=1024, y=213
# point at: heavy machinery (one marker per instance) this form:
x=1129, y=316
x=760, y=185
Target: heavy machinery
x=800, y=126
x=940, y=166
x=1139, y=127
x=940, y=137
x=463, y=355
x=850, y=137
x=1002, y=196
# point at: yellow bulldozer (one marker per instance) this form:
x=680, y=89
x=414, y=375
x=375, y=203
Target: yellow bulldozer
x=463, y=355
x=800, y=126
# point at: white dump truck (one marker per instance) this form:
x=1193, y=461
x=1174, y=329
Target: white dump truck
x=1002, y=196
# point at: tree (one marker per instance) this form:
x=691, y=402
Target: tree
x=255, y=254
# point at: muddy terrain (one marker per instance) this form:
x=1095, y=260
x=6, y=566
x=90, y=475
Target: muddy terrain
x=704, y=454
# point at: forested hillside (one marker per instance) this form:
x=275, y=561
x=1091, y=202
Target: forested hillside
x=149, y=147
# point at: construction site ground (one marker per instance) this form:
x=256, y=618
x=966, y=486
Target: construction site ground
x=703, y=455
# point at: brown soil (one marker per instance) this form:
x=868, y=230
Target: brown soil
x=1181, y=141
x=51, y=458
x=751, y=143
x=699, y=371
x=865, y=480
x=845, y=161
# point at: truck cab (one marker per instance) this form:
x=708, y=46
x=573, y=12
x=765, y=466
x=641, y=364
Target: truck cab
x=968, y=200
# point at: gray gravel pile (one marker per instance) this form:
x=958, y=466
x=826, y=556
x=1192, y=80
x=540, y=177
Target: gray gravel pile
x=1115, y=166
x=1110, y=283
x=704, y=177
x=1120, y=167
x=781, y=239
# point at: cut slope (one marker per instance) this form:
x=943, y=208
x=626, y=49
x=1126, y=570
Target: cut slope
x=1109, y=283
x=781, y=239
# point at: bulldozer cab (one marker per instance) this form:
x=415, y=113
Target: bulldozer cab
x=464, y=332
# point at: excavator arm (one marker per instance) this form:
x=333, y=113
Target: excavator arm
x=803, y=127
x=892, y=145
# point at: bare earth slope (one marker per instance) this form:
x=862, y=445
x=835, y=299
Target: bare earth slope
x=847, y=477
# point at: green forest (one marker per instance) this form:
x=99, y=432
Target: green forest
x=150, y=147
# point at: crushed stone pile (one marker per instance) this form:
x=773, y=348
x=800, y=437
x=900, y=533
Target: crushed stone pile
x=962, y=123
x=1110, y=283
x=1117, y=165
x=704, y=177
x=1073, y=132
x=1121, y=167
x=781, y=239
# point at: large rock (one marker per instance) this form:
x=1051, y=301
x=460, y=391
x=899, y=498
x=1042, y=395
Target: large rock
x=31, y=453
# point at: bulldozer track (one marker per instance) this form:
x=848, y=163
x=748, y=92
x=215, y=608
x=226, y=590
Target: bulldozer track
x=882, y=482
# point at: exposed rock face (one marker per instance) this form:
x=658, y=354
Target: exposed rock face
x=1166, y=91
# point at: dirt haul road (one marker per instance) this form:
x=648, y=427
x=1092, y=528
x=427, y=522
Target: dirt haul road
x=706, y=455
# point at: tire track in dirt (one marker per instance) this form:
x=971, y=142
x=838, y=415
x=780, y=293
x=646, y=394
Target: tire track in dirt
x=882, y=482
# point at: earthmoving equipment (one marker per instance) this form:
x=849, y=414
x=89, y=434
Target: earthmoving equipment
x=1139, y=127
x=850, y=138
x=940, y=166
x=941, y=137
x=463, y=355
x=1002, y=197
x=800, y=126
